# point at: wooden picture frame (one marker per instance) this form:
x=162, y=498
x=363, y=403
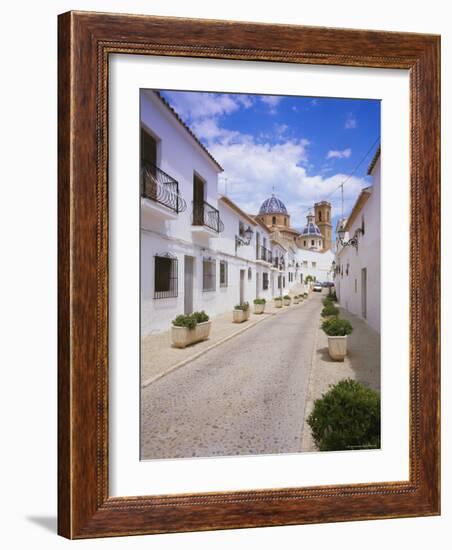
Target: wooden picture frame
x=86, y=40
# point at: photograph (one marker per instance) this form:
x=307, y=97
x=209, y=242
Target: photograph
x=259, y=274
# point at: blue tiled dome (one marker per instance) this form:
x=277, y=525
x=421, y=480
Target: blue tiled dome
x=273, y=205
x=311, y=227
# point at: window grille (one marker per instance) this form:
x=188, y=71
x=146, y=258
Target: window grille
x=264, y=281
x=250, y=274
x=208, y=274
x=165, y=276
x=223, y=273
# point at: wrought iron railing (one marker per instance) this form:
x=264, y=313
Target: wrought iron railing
x=206, y=214
x=160, y=187
x=265, y=254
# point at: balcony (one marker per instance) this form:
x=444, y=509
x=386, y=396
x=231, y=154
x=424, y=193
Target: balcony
x=264, y=255
x=206, y=219
x=161, y=191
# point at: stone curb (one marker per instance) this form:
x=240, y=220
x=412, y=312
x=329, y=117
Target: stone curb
x=149, y=381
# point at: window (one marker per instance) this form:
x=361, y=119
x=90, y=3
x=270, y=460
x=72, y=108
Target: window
x=304, y=243
x=165, y=276
x=250, y=274
x=279, y=281
x=356, y=286
x=320, y=216
x=223, y=273
x=363, y=225
x=241, y=229
x=208, y=274
x=312, y=243
x=314, y=265
x=305, y=264
x=274, y=220
x=327, y=216
x=264, y=281
x=284, y=282
x=285, y=221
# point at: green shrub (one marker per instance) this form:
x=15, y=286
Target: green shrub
x=346, y=417
x=332, y=294
x=337, y=327
x=327, y=301
x=259, y=301
x=187, y=321
x=200, y=316
x=287, y=297
x=329, y=310
x=277, y=298
x=242, y=307
x=305, y=295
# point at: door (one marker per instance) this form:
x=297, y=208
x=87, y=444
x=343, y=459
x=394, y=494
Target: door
x=242, y=286
x=188, y=284
x=148, y=146
x=364, y=293
x=198, y=200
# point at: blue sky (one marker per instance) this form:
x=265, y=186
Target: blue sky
x=302, y=147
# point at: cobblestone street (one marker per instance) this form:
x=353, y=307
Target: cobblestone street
x=246, y=396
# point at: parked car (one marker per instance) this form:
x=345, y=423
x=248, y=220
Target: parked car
x=317, y=287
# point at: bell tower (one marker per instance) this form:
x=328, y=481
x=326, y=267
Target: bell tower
x=322, y=212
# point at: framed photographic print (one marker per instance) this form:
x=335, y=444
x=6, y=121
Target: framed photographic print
x=248, y=275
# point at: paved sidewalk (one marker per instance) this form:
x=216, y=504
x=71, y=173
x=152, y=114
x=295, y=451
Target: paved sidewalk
x=362, y=363
x=159, y=357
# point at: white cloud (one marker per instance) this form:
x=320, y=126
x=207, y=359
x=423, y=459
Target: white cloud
x=193, y=106
x=350, y=122
x=271, y=100
x=253, y=169
x=334, y=154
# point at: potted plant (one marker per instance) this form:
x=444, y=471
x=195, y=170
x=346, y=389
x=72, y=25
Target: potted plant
x=259, y=305
x=337, y=331
x=203, y=324
x=305, y=295
x=277, y=301
x=329, y=310
x=287, y=300
x=188, y=329
x=240, y=313
x=246, y=309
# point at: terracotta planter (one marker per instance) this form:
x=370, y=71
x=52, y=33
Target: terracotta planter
x=259, y=308
x=277, y=303
x=239, y=316
x=182, y=337
x=337, y=347
x=287, y=302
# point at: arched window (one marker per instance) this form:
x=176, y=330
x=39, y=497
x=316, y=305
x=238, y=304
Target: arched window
x=327, y=216
x=320, y=216
x=274, y=220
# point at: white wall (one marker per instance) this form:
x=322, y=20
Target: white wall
x=180, y=156
x=30, y=302
x=349, y=287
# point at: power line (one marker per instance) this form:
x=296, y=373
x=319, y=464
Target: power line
x=352, y=173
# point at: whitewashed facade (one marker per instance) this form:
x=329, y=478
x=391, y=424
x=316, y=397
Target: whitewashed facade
x=357, y=278
x=199, y=250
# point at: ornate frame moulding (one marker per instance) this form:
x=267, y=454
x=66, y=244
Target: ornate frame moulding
x=85, y=42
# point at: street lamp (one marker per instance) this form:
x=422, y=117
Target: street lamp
x=351, y=242
x=245, y=238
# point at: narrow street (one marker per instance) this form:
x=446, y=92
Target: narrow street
x=246, y=396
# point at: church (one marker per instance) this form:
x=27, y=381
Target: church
x=311, y=246
x=316, y=234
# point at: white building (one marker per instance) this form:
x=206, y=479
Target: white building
x=357, y=277
x=199, y=250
